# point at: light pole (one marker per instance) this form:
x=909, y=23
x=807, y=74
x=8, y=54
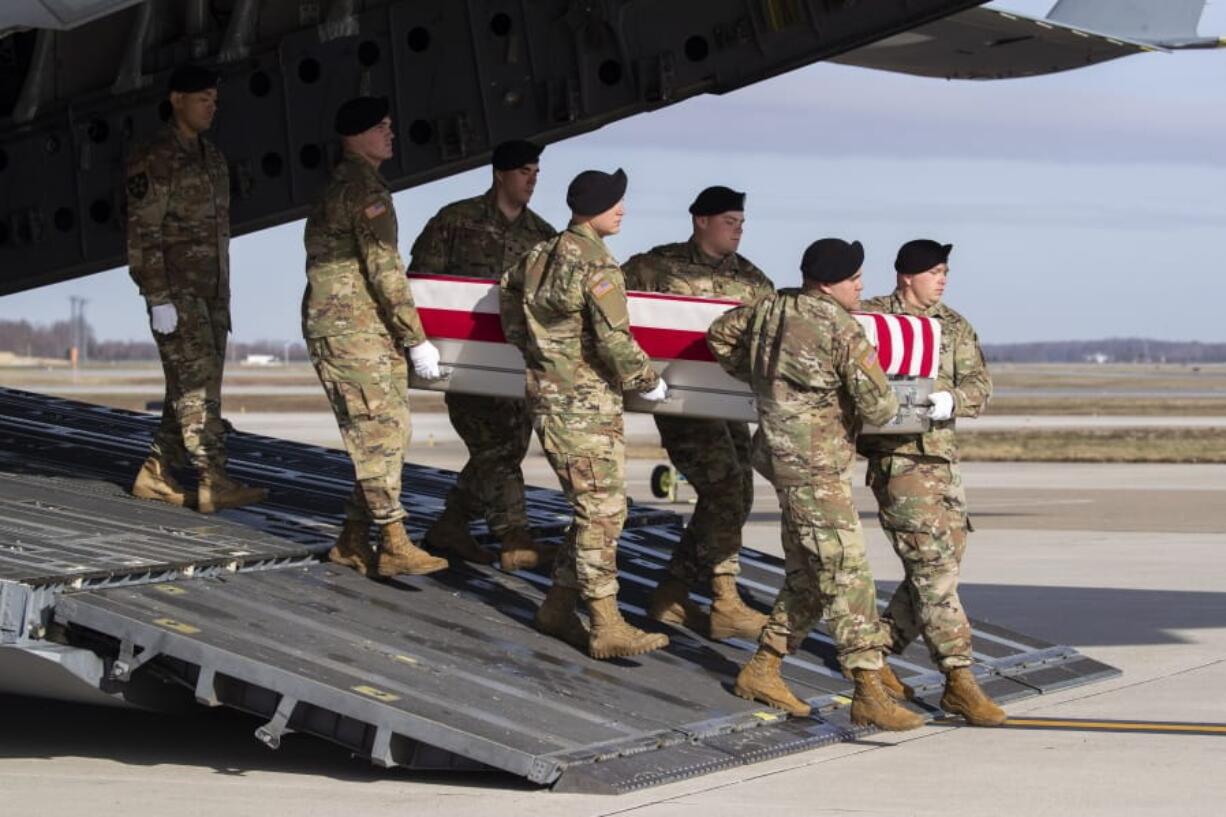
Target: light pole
x=76, y=328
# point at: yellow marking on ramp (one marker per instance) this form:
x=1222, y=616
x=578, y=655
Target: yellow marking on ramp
x=767, y=716
x=377, y=694
x=170, y=589
x=176, y=626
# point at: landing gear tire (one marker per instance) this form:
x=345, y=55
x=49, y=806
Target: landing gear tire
x=663, y=481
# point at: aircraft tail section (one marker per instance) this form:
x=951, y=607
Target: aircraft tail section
x=1165, y=22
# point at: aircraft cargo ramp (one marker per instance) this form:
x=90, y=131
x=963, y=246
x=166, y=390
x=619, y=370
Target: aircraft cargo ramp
x=435, y=672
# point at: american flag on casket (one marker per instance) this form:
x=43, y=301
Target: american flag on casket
x=461, y=317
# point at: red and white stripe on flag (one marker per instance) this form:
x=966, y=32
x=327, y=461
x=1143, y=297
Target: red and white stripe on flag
x=668, y=327
x=907, y=345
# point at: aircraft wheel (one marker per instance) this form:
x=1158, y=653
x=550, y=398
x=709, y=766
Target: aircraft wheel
x=662, y=481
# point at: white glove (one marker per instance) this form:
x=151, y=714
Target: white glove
x=657, y=395
x=164, y=318
x=424, y=357
x=942, y=403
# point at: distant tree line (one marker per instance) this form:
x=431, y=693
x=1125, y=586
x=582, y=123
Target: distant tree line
x=1112, y=350
x=32, y=340
x=54, y=341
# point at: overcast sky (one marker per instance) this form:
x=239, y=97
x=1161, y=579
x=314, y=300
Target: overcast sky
x=1081, y=205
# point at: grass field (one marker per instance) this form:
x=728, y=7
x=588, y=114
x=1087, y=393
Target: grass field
x=1190, y=445
x=1113, y=377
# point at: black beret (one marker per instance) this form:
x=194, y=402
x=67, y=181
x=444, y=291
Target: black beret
x=188, y=79
x=360, y=114
x=716, y=200
x=515, y=153
x=920, y=255
x=831, y=260
x=592, y=192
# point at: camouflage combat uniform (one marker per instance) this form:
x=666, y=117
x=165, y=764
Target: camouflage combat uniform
x=472, y=238
x=357, y=316
x=922, y=505
x=564, y=306
x=816, y=378
x=178, y=198
x=713, y=455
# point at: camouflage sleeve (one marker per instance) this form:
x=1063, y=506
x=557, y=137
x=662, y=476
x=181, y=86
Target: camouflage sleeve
x=972, y=383
x=879, y=304
x=855, y=359
x=511, y=304
x=429, y=253
x=762, y=285
x=640, y=273
x=728, y=340
x=148, y=193
x=375, y=228
x=604, y=298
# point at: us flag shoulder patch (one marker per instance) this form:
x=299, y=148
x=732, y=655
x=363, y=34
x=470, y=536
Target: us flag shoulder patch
x=375, y=210
x=601, y=287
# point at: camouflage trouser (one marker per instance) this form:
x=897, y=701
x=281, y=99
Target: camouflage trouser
x=827, y=576
x=923, y=511
x=193, y=359
x=367, y=382
x=714, y=457
x=496, y=431
x=588, y=453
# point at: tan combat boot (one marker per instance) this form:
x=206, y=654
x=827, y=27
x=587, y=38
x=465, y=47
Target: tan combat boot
x=613, y=637
x=352, y=548
x=964, y=697
x=730, y=618
x=671, y=604
x=154, y=481
x=449, y=533
x=871, y=705
x=557, y=617
x=894, y=687
x=521, y=552
x=759, y=680
x=218, y=492
x=398, y=554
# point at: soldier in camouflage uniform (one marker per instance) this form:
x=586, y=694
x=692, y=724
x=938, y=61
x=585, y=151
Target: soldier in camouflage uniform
x=358, y=316
x=564, y=306
x=712, y=454
x=480, y=238
x=918, y=485
x=816, y=378
x=178, y=189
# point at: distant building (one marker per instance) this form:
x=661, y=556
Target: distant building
x=1098, y=357
x=260, y=360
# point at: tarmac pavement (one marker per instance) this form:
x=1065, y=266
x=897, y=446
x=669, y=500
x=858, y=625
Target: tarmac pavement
x=1127, y=563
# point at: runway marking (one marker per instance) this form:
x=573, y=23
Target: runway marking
x=1094, y=725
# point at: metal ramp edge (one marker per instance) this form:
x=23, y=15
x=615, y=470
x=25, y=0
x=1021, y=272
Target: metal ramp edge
x=428, y=675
